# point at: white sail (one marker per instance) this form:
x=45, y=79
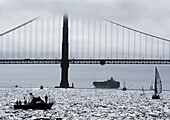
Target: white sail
x=158, y=83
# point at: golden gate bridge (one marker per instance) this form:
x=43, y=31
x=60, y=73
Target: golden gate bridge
x=72, y=40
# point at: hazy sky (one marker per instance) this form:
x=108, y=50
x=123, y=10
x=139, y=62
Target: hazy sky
x=146, y=15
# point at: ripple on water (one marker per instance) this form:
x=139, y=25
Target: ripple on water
x=86, y=104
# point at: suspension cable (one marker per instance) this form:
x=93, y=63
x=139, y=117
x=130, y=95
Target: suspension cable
x=160, y=38
x=19, y=26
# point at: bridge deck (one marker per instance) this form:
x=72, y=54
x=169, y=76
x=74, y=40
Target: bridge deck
x=86, y=61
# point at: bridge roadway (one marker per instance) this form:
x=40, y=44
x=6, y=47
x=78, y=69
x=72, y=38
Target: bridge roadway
x=86, y=61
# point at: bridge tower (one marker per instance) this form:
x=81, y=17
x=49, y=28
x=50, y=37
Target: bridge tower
x=64, y=62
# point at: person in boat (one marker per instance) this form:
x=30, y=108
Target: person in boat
x=46, y=99
x=25, y=102
x=31, y=94
x=17, y=102
x=20, y=102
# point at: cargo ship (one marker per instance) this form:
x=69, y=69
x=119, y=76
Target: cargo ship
x=110, y=83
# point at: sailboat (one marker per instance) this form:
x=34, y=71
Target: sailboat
x=151, y=86
x=142, y=91
x=124, y=87
x=158, y=85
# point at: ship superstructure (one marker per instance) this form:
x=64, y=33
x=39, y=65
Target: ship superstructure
x=110, y=83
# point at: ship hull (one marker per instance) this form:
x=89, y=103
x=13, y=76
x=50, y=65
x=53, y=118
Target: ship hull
x=114, y=85
x=39, y=106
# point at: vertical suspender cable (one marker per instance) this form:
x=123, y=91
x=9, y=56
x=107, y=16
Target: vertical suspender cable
x=33, y=40
x=94, y=40
x=36, y=39
x=117, y=40
x=88, y=38
x=140, y=44
x=105, y=39
x=157, y=47
x=3, y=41
x=25, y=37
x=128, y=43
x=47, y=41
x=8, y=38
x=134, y=44
x=7, y=45
x=169, y=50
x=13, y=44
x=111, y=41
x=10, y=45
x=30, y=42
x=71, y=38
x=146, y=47
x=59, y=37
x=151, y=47
x=82, y=37
x=163, y=49
x=42, y=36
x=100, y=38
x=53, y=37
x=19, y=38
x=77, y=27
x=123, y=42
x=1, y=44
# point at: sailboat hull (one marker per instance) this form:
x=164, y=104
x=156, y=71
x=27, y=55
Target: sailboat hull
x=155, y=97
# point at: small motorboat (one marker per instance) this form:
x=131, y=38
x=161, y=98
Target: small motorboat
x=36, y=103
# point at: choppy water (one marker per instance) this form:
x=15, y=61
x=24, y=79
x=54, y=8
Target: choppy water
x=84, y=104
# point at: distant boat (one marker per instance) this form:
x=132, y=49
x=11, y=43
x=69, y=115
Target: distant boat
x=142, y=91
x=124, y=87
x=41, y=87
x=110, y=83
x=36, y=103
x=158, y=85
x=151, y=86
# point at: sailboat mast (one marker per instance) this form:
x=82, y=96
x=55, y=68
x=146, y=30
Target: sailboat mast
x=151, y=87
x=124, y=84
